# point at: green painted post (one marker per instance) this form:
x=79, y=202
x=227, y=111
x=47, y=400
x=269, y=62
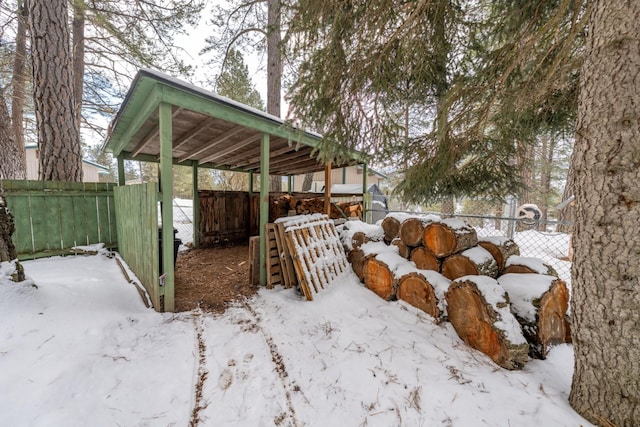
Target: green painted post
x=121, y=177
x=166, y=177
x=196, y=206
x=344, y=175
x=289, y=184
x=250, y=184
x=365, y=172
x=264, y=206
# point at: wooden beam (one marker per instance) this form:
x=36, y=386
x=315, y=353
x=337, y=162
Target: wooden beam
x=166, y=177
x=287, y=163
x=264, y=206
x=152, y=134
x=274, y=153
x=121, y=177
x=235, y=147
x=188, y=136
x=141, y=114
x=327, y=188
x=222, y=138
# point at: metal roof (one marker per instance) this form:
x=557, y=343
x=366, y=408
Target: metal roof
x=209, y=129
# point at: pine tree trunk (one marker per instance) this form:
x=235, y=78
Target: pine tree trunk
x=18, y=84
x=567, y=214
x=605, y=306
x=56, y=119
x=7, y=248
x=274, y=72
x=78, y=56
x=11, y=165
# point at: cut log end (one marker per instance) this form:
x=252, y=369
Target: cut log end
x=379, y=279
x=403, y=249
x=473, y=319
x=444, y=241
x=391, y=228
x=425, y=259
x=356, y=258
x=411, y=231
x=501, y=252
x=553, y=327
x=418, y=292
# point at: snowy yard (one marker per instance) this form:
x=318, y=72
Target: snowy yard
x=82, y=349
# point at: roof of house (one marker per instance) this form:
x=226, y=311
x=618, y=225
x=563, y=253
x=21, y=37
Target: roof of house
x=210, y=130
x=103, y=169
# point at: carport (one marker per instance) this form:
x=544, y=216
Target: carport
x=169, y=121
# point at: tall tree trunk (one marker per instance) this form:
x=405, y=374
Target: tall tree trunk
x=18, y=88
x=567, y=214
x=274, y=71
x=7, y=248
x=11, y=163
x=606, y=279
x=79, y=8
x=308, y=181
x=524, y=164
x=56, y=118
x=549, y=145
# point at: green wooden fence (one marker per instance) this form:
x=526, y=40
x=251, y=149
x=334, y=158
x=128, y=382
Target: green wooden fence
x=53, y=217
x=137, y=221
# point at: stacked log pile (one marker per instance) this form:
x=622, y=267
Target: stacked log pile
x=284, y=205
x=442, y=268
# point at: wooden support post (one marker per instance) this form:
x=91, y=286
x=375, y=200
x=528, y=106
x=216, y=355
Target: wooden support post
x=289, y=184
x=196, y=206
x=264, y=205
x=250, y=184
x=166, y=177
x=366, y=209
x=121, y=177
x=327, y=189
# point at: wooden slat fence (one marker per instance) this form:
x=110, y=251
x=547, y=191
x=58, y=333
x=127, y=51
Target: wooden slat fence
x=53, y=217
x=137, y=220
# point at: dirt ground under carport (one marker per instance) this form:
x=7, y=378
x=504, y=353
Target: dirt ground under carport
x=212, y=278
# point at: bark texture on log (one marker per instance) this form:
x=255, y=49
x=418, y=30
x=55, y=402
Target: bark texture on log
x=403, y=249
x=444, y=240
x=478, y=320
x=425, y=259
x=415, y=289
x=411, y=231
x=474, y=261
x=391, y=227
x=379, y=278
x=540, y=304
x=500, y=249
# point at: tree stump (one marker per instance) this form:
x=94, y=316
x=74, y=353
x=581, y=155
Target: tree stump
x=449, y=237
x=425, y=259
x=540, y=304
x=500, y=247
x=403, y=249
x=528, y=265
x=379, y=278
x=411, y=231
x=391, y=227
x=479, y=312
x=474, y=261
x=419, y=291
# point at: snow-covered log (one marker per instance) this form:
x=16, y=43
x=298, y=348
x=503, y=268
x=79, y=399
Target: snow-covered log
x=425, y=259
x=540, y=304
x=391, y=226
x=448, y=237
x=411, y=231
x=473, y=261
x=403, y=249
x=425, y=290
x=500, y=247
x=478, y=309
x=527, y=265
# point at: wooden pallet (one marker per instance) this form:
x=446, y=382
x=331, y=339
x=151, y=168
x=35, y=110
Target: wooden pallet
x=274, y=273
x=286, y=262
x=254, y=260
x=315, y=249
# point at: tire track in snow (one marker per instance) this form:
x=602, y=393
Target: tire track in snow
x=288, y=385
x=202, y=373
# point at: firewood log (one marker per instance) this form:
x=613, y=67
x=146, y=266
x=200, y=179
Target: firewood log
x=500, y=247
x=391, y=227
x=379, y=278
x=449, y=237
x=540, y=304
x=528, y=265
x=403, y=249
x=478, y=309
x=425, y=290
x=357, y=257
x=425, y=259
x=411, y=231
x=473, y=261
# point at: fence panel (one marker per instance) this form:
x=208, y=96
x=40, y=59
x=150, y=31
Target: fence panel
x=53, y=217
x=137, y=220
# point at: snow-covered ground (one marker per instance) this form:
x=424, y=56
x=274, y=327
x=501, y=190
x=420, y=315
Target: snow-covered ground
x=82, y=349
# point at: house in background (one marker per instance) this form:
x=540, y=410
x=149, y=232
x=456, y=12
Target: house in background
x=346, y=175
x=91, y=171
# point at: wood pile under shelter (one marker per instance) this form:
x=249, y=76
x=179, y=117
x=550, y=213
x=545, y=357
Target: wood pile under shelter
x=507, y=306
